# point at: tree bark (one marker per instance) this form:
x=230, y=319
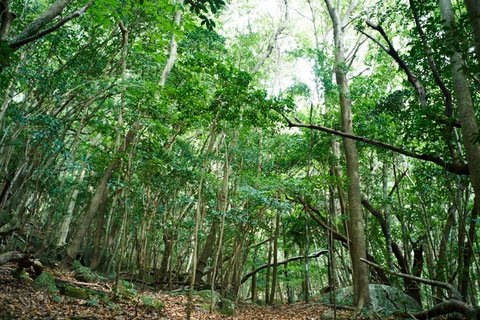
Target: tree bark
x=207, y=251
x=11, y=256
x=198, y=214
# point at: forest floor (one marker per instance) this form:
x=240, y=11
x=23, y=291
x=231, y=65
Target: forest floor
x=19, y=300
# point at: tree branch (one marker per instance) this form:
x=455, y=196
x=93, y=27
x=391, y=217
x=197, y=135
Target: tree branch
x=336, y=235
x=446, y=93
x=455, y=168
x=272, y=41
x=447, y=307
x=313, y=255
x=421, y=91
x=20, y=42
x=444, y=285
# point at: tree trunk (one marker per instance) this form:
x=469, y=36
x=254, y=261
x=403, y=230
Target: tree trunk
x=275, y=259
x=473, y=9
x=207, y=251
x=198, y=215
x=94, y=263
x=356, y=230
x=223, y=205
x=468, y=120
x=173, y=46
x=86, y=218
x=267, y=276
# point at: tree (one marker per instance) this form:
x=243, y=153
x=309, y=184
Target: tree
x=355, y=224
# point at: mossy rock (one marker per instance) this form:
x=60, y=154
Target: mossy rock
x=385, y=298
x=22, y=274
x=222, y=305
x=206, y=296
x=152, y=303
x=55, y=298
x=76, y=292
x=45, y=281
x=227, y=308
x=85, y=274
x=126, y=289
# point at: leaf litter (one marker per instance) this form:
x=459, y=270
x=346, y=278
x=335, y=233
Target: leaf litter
x=18, y=300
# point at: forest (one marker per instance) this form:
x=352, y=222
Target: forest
x=257, y=159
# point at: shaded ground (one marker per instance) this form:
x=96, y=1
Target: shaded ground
x=18, y=300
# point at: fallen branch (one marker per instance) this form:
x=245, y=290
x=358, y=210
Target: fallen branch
x=11, y=256
x=313, y=255
x=451, y=288
x=447, y=307
x=452, y=305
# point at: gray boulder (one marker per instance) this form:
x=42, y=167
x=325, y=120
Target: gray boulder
x=384, y=299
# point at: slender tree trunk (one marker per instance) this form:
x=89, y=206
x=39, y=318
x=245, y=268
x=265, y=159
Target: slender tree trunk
x=468, y=120
x=388, y=236
x=94, y=263
x=275, y=259
x=442, y=262
x=473, y=9
x=86, y=218
x=267, y=276
x=356, y=229
x=254, y=279
x=173, y=46
x=198, y=215
x=307, y=248
x=207, y=251
x=223, y=206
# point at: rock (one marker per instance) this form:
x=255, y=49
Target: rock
x=76, y=292
x=45, y=281
x=55, y=298
x=226, y=307
x=85, y=274
x=152, y=304
x=205, y=296
x=384, y=298
x=222, y=305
